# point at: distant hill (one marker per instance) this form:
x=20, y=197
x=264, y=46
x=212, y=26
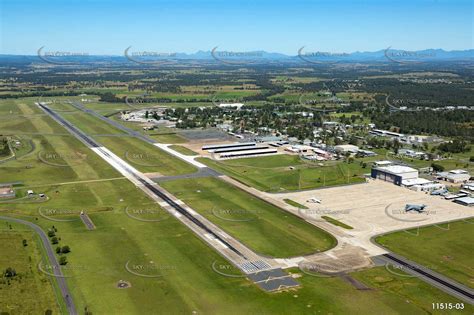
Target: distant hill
x=304, y=54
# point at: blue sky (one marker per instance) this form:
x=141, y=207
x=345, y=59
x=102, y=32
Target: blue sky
x=108, y=27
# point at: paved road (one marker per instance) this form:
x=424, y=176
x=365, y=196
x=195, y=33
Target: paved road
x=445, y=284
x=87, y=221
x=52, y=260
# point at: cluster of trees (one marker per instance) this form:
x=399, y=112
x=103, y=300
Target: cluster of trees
x=455, y=146
x=455, y=123
x=59, y=249
x=283, y=119
x=413, y=94
x=4, y=148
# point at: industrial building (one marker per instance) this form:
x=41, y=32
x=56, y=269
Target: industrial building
x=455, y=176
x=422, y=184
x=228, y=145
x=297, y=148
x=231, y=105
x=6, y=192
x=238, y=150
x=394, y=173
x=465, y=201
x=343, y=148
x=250, y=153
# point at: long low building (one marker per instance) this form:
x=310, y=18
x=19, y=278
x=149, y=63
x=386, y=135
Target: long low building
x=240, y=148
x=249, y=153
x=465, y=201
x=455, y=176
x=228, y=145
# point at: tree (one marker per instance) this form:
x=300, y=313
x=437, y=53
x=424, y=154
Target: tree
x=51, y=233
x=9, y=272
x=65, y=249
x=437, y=167
x=54, y=240
x=62, y=260
x=25, y=243
x=58, y=250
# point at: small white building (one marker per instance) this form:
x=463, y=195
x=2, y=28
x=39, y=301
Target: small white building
x=231, y=105
x=297, y=148
x=383, y=163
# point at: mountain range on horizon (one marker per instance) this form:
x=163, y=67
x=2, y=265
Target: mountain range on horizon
x=227, y=55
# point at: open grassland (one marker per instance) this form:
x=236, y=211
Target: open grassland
x=263, y=227
x=146, y=157
x=167, y=137
x=53, y=157
x=445, y=248
x=30, y=291
x=90, y=124
x=56, y=159
x=183, y=150
x=288, y=172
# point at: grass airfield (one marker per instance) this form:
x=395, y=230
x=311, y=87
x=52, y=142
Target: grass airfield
x=284, y=172
x=445, y=248
x=184, y=280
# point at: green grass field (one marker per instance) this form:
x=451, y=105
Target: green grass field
x=337, y=222
x=446, y=248
x=90, y=124
x=263, y=227
x=30, y=291
x=169, y=137
x=295, y=204
x=288, y=172
x=183, y=150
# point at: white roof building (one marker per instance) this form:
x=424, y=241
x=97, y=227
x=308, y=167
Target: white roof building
x=465, y=201
x=237, y=105
x=346, y=148
x=455, y=176
x=383, y=163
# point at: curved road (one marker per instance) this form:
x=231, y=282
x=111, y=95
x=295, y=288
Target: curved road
x=53, y=261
